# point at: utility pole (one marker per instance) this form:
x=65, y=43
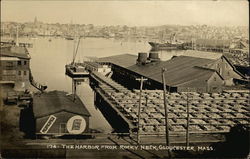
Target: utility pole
x=187, y=130
x=165, y=106
x=139, y=109
x=74, y=89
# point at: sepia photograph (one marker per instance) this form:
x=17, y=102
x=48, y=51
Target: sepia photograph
x=124, y=79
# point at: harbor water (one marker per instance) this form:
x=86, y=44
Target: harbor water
x=49, y=56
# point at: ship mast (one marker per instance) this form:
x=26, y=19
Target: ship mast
x=75, y=47
x=76, y=50
x=17, y=42
x=174, y=37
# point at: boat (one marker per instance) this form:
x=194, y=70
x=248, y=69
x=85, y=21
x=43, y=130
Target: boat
x=69, y=35
x=173, y=44
x=166, y=46
x=33, y=38
x=76, y=70
x=69, y=38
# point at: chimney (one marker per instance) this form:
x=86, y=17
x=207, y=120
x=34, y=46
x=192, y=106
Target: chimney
x=142, y=58
x=153, y=57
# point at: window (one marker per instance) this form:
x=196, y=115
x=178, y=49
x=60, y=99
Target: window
x=19, y=73
x=24, y=73
x=214, y=78
x=19, y=62
x=76, y=124
x=24, y=62
x=9, y=65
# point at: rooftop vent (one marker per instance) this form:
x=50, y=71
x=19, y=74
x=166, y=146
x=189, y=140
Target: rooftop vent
x=142, y=58
x=153, y=56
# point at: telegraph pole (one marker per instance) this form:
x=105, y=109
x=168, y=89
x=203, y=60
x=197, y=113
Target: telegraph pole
x=187, y=131
x=74, y=89
x=139, y=109
x=165, y=106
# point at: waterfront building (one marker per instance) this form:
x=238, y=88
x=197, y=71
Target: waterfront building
x=199, y=74
x=15, y=64
x=57, y=113
x=214, y=45
x=220, y=63
x=240, y=47
x=94, y=66
x=208, y=111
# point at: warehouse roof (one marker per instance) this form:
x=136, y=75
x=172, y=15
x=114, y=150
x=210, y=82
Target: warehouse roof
x=15, y=51
x=202, y=54
x=181, y=70
x=212, y=42
x=56, y=101
x=9, y=58
x=124, y=60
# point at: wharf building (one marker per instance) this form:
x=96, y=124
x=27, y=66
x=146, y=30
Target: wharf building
x=196, y=71
x=239, y=56
x=93, y=66
x=240, y=47
x=214, y=45
x=210, y=113
x=57, y=114
x=15, y=65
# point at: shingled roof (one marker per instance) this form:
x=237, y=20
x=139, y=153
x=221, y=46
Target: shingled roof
x=57, y=101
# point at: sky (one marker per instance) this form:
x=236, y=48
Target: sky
x=130, y=12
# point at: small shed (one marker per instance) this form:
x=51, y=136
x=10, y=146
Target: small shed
x=56, y=113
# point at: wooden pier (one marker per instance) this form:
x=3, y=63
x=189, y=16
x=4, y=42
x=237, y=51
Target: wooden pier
x=209, y=113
